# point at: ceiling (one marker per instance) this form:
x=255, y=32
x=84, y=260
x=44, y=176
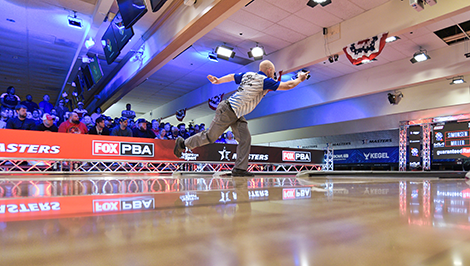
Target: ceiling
x=40, y=53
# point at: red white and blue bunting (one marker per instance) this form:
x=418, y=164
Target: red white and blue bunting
x=214, y=101
x=180, y=114
x=367, y=49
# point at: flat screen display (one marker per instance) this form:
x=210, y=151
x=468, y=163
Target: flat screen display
x=110, y=46
x=87, y=76
x=95, y=69
x=157, y=4
x=121, y=33
x=451, y=141
x=131, y=11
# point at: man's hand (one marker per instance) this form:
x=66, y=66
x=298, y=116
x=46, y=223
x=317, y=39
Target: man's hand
x=303, y=75
x=212, y=79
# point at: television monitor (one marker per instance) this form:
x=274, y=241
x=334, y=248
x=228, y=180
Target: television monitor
x=451, y=140
x=78, y=84
x=131, y=11
x=157, y=4
x=121, y=33
x=110, y=46
x=95, y=69
x=87, y=76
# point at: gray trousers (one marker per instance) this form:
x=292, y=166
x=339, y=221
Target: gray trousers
x=224, y=118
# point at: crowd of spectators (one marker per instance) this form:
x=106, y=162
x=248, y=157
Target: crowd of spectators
x=28, y=115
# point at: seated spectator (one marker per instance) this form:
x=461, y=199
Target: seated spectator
x=54, y=113
x=100, y=128
x=196, y=129
x=167, y=128
x=202, y=127
x=174, y=133
x=10, y=113
x=108, y=122
x=9, y=99
x=29, y=115
x=96, y=114
x=229, y=138
x=73, y=125
x=45, y=105
x=80, y=110
x=47, y=124
x=36, y=117
x=61, y=110
x=191, y=130
x=132, y=124
x=3, y=117
x=128, y=112
x=86, y=119
x=162, y=134
x=21, y=122
x=30, y=105
x=122, y=129
x=182, y=131
x=156, y=127
x=141, y=131
x=221, y=139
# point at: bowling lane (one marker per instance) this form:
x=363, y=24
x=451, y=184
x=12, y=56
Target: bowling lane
x=258, y=221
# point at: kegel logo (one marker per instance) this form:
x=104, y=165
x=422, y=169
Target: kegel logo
x=296, y=156
x=117, y=148
x=126, y=204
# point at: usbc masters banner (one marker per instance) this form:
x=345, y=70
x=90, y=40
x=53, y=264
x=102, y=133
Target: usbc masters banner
x=371, y=155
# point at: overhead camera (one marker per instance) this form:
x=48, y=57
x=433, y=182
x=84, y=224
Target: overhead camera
x=467, y=55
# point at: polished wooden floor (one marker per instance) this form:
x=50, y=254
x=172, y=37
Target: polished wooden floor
x=343, y=221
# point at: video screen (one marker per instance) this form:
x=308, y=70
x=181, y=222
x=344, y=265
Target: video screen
x=157, y=4
x=121, y=33
x=95, y=69
x=88, y=78
x=110, y=46
x=131, y=11
x=451, y=140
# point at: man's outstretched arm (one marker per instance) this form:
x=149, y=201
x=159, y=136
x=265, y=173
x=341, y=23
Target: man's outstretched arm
x=227, y=78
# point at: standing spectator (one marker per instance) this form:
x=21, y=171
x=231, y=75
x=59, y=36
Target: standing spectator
x=128, y=112
x=3, y=118
x=73, y=125
x=9, y=99
x=141, y=131
x=86, y=119
x=182, y=131
x=162, y=134
x=21, y=122
x=122, y=129
x=47, y=123
x=61, y=110
x=100, y=128
x=80, y=110
x=45, y=105
x=96, y=114
x=229, y=139
x=30, y=105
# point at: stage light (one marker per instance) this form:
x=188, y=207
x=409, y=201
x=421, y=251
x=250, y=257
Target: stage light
x=224, y=52
x=212, y=56
x=392, y=39
x=457, y=80
x=89, y=43
x=394, y=98
x=74, y=21
x=257, y=52
x=313, y=3
x=420, y=56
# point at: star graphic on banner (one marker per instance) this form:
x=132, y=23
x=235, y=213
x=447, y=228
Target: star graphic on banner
x=224, y=154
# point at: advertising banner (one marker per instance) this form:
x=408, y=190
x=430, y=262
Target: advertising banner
x=371, y=155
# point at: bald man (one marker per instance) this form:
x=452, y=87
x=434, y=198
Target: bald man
x=230, y=113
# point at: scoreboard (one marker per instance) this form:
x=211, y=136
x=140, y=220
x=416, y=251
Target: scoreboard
x=451, y=140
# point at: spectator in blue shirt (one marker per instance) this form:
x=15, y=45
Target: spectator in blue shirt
x=20, y=121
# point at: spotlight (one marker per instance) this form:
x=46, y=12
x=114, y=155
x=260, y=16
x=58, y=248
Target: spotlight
x=420, y=56
x=395, y=98
x=392, y=39
x=257, y=52
x=89, y=43
x=74, y=21
x=212, y=56
x=330, y=58
x=333, y=58
x=224, y=52
x=467, y=55
x=313, y=3
x=457, y=80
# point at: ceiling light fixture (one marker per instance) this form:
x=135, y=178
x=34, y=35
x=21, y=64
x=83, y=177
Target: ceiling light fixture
x=457, y=80
x=257, y=52
x=420, y=56
x=224, y=52
x=89, y=43
x=212, y=56
x=392, y=39
x=313, y=3
x=74, y=21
